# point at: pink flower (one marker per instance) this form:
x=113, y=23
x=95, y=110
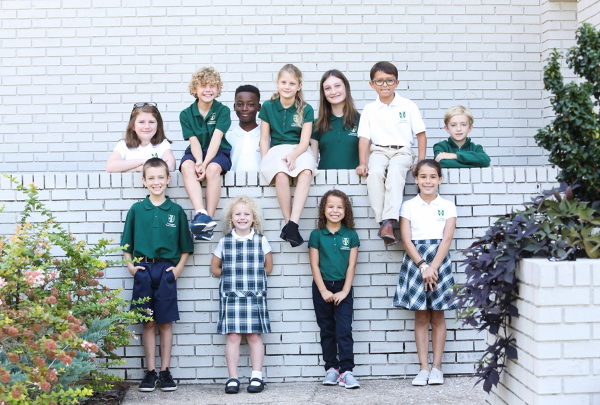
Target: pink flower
x=2, y=282
x=34, y=278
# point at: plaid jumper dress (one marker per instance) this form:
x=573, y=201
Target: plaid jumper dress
x=410, y=291
x=243, y=287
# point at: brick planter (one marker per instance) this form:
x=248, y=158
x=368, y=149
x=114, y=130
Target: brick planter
x=558, y=336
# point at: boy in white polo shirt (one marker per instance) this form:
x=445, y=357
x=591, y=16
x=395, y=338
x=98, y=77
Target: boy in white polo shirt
x=244, y=138
x=387, y=131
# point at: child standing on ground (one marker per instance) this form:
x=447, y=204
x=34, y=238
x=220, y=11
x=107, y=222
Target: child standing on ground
x=387, y=131
x=458, y=150
x=427, y=224
x=284, y=139
x=334, y=136
x=203, y=124
x=243, y=259
x=156, y=229
x=333, y=252
x=244, y=138
x=144, y=139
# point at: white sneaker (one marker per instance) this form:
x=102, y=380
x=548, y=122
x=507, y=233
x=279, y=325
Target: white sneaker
x=436, y=377
x=421, y=378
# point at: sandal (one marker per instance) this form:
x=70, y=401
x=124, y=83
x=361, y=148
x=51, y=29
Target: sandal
x=256, y=387
x=232, y=386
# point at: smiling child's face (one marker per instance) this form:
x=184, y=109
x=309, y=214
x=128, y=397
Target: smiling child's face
x=246, y=106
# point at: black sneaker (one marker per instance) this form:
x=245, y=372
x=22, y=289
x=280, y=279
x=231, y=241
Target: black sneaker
x=292, y=234
x=166, y=381
x=148, y=383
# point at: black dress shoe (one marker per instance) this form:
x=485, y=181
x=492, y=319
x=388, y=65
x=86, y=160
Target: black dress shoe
x=256, y=388
x=292, y=234
x=232, y=386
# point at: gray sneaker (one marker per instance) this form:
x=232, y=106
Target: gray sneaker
x=331, y=377
x=347, y=380
x=421, y=378
x=436, y=377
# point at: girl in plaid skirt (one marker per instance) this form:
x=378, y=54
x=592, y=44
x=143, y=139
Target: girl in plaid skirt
x=427, y=224
x=243, y=259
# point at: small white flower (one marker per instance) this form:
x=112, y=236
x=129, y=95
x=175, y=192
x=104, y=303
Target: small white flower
x=2, y=282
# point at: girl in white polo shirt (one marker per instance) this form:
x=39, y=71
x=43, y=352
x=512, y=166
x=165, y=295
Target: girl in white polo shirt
x=427, y=224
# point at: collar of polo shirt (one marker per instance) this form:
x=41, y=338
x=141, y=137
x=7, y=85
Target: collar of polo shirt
x=238, y=237
x=340, y=231
x=164, y=206
x=436, y=201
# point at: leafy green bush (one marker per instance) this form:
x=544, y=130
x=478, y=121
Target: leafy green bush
x=59, y=327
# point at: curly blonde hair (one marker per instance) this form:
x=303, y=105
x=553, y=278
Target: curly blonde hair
x=257, y=223
x=203, y=76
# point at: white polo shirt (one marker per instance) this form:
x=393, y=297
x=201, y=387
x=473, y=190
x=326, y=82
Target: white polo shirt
x=266, y=248
x=394, y=124
x=427, y=221
x=145, y=153
x=245, y=152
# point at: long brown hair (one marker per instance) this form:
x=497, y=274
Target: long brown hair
x=131, y=139
x=350, y=113
x=299, y=103
x=348, y=220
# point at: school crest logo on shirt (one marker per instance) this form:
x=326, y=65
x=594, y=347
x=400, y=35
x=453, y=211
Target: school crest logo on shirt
x=297, y=121
x=154, y=155
x=402, y=114
x=345, y=244
x=212, y=120
x=353, y=131
x=171, y=221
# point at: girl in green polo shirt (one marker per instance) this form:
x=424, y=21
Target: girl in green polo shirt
x=284, y=138
x=334, y=136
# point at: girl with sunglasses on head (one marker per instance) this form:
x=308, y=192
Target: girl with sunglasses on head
x=144, y=139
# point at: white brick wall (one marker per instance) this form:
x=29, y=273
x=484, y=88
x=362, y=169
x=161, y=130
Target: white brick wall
x=558, y=336
x=94, y=206
x=589, y=11
x=71, y=70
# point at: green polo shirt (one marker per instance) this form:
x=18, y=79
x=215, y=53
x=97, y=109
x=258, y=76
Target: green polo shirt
x=338, y=147
x=284, y=122
x=334, y=251
x=194, y=124
x=468, y=155
x=155, y=232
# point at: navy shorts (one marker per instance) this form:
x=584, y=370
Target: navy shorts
x=161, y=287
x=221, y=158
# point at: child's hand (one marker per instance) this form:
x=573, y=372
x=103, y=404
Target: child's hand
x=430, y=278
x=338, y=297
x=200, y=171
x=362, y=170
x=327, y=295
x=445, y=155
x=290, y=162
x=134, y=269
x=175, y=270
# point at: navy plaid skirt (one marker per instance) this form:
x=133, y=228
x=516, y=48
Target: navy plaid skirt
x=410, y=291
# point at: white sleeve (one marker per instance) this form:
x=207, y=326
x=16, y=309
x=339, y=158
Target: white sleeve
x=219, y=249
x=416, y=120
x=163, y=147
x=364, y=127
x=266, y=247
x=405, y=210
x=451, y=210
x=121, y=147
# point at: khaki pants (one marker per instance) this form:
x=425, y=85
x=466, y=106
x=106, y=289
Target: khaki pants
x=387, y=176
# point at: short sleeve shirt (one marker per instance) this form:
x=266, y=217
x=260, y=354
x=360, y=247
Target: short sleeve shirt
x=245, y=150
x=427, y=221
x=157, y=231
x=142, y=152
x=394, y=124
x=194, y=124
x=334, y=251
x=285, y=123
x=266, y=247
x=338, y=147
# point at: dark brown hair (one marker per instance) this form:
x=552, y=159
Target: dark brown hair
x=385, y=67
x=348, y=220
x=154, y=162
x=131, y=139
x=350, y=113
x=431, y=163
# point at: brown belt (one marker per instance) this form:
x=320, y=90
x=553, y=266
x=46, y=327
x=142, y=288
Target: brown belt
x=390, y=146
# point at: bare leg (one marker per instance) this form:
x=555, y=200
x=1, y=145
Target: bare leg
x=438, y=336
x=422, y=320
x=300, y=194
x=166, y=344
x=257, y=350
x=192, y=185
x=149, y=341
x=213, y=188
x=284, y=194
x=232, y=353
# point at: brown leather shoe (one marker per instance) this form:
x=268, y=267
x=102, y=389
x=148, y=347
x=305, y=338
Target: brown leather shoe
x=387, y=232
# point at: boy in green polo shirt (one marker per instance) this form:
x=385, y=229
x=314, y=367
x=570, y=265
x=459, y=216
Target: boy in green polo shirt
x=458, y=150
x=156, y=231
x=203, y=124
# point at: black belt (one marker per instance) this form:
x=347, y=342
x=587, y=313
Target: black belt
x=155, y=260
x=390, y=146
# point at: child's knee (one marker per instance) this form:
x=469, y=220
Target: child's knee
x=213, y=171
x=253, y=338
x=188, y=168
x=282, y=177
x=149, y=325
x=234, y=338
x=422, y=318
x=438, y=318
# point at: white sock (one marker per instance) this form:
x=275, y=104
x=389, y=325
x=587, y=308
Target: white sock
x=232, y=382
x=202, y=211
x=256, y=374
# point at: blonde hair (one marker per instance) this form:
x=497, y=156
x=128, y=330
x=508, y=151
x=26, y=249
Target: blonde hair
x=294, y=71
x=457, y=110
x=203, y=76
x=257, y=223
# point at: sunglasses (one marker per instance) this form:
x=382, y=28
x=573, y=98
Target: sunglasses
x=140, y=105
